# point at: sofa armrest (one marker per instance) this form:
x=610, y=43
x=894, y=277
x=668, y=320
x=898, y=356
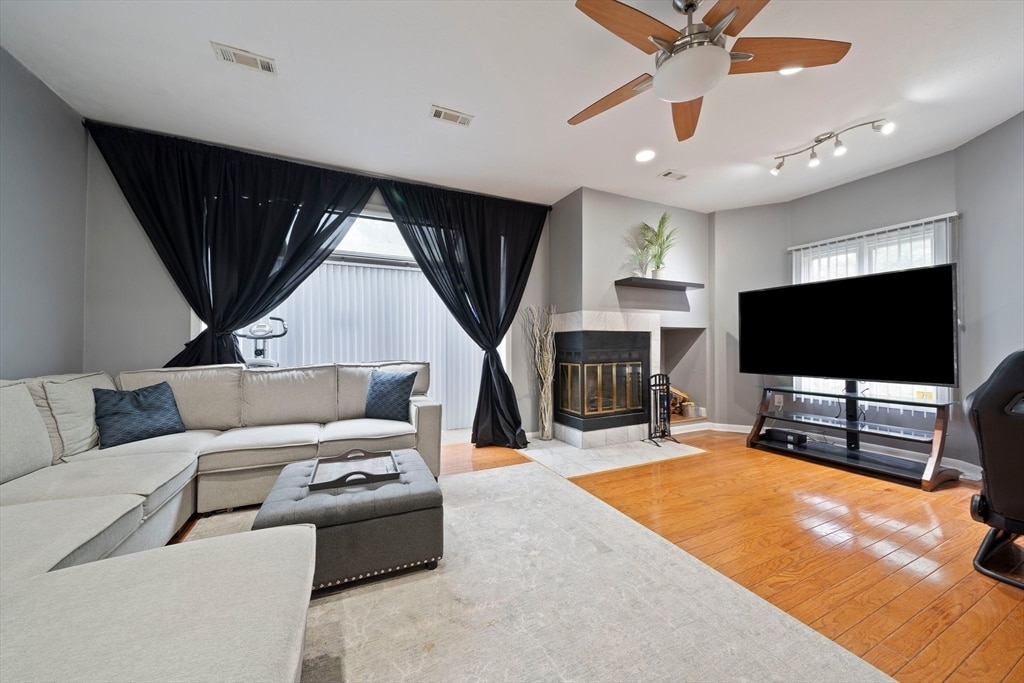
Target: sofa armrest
x=425, y=415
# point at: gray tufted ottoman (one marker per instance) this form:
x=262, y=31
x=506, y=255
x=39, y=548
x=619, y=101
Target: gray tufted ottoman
x=364, y=530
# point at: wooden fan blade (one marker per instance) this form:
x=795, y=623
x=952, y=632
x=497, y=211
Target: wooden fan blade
x=772, y=54
x=632, y=25
x=684, y=117
x=747, y=10
x=630, y=90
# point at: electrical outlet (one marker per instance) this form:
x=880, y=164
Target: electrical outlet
x=779, y=400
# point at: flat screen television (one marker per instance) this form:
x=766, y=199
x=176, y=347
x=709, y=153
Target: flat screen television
x=899, y=326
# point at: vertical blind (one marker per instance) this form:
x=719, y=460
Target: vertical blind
x=927, y=242
x=350, y=312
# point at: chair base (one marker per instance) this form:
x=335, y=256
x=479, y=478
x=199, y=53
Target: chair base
x=994, y=541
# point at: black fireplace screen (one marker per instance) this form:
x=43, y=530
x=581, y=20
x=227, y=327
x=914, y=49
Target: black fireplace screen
x=601, y=379
x=600, y=388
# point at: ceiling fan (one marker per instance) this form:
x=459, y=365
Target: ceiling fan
x=692, y=61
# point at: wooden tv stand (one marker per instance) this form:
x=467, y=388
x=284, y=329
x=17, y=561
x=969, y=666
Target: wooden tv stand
x=928, y=475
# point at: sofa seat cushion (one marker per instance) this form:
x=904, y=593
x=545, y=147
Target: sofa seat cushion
x=231, y=608
x=185, y=442
x=53, y=534
x=365, y=432
x=154, y=476
x=248, y=447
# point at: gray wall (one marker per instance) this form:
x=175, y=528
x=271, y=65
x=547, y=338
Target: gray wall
x=990, y=197
x=42, y=227
x=519, y=347
x=135, y=317
x=606, y=219
x=919, y=190
x=750, y=253
x=982, y=179
x=565, y=239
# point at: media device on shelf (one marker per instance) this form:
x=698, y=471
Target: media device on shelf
x=899, y=326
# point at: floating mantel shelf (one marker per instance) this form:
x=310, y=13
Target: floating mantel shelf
x=653, y=283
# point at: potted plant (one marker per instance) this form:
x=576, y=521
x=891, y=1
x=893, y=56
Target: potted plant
x=658, y=241
x=640, y=256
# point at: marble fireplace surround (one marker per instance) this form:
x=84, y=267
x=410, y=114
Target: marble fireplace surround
x=609, y=321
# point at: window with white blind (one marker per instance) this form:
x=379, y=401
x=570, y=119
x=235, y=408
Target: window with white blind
x=927, y=242
x=369, y=301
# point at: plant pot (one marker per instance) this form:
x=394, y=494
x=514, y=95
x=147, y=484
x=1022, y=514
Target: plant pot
x=658, y=273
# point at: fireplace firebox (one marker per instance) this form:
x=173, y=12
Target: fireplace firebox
x=601, y=379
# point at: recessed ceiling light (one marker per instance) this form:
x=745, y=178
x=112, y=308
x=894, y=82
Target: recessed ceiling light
x=790, y=70
x=644, y=155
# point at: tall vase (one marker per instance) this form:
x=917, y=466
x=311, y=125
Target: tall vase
x=545, y=410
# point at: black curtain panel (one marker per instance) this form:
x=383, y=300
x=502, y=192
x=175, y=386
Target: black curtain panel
x=238, y=232
x=477, y=253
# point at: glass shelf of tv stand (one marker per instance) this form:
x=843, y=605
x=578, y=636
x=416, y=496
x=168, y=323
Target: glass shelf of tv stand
x=873, y=428
x=860, y=397
x=928, y=475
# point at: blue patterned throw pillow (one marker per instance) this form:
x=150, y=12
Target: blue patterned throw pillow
x=126, y=416
x=388, y=395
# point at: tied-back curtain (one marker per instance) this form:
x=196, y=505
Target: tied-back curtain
x=477, y=253
x=238, y=232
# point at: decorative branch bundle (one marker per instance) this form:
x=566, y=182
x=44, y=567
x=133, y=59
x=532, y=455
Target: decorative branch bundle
x=539, y=322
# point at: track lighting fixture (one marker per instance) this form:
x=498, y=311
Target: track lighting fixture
x=878, y=125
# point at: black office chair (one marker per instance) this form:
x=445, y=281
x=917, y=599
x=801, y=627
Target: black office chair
x=996, y=413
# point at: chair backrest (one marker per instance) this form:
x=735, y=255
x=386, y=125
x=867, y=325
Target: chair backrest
x=992, y=410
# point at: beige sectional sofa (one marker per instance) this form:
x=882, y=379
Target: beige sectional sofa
x=65, y=502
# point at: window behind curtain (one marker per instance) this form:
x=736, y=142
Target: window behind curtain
x=928, y=242
x=371, y=302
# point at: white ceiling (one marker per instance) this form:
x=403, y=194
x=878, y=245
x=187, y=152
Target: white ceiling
x=356, y=80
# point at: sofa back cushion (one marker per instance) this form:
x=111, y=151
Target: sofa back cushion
x=24, y=443
x=289, y=395
x=208, y=396
x=71, y=400
x=35, y=388
x=354, y=382
x=421, y=368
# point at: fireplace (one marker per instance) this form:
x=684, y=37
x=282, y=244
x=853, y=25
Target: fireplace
x=601, y=379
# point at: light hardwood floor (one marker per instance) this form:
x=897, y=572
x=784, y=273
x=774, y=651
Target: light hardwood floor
x=881, y=568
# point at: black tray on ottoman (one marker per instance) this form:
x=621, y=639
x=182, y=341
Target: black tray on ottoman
x=365, y=529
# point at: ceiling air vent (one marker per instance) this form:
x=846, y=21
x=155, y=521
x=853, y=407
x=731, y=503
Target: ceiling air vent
x=671, y=175
x=226, y=53
x=450, y=115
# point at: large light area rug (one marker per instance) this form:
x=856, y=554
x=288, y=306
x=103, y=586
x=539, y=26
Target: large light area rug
x=541, y=581
x=570, y=461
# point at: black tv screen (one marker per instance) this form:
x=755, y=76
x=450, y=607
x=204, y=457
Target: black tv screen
x=899, y=326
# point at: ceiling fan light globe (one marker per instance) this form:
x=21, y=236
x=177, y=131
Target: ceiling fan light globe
x=691, y=73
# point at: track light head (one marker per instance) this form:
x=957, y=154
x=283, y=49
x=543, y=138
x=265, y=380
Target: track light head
x=814, y=160
x=840, y=148
x=884, y=127
x=778, y=167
